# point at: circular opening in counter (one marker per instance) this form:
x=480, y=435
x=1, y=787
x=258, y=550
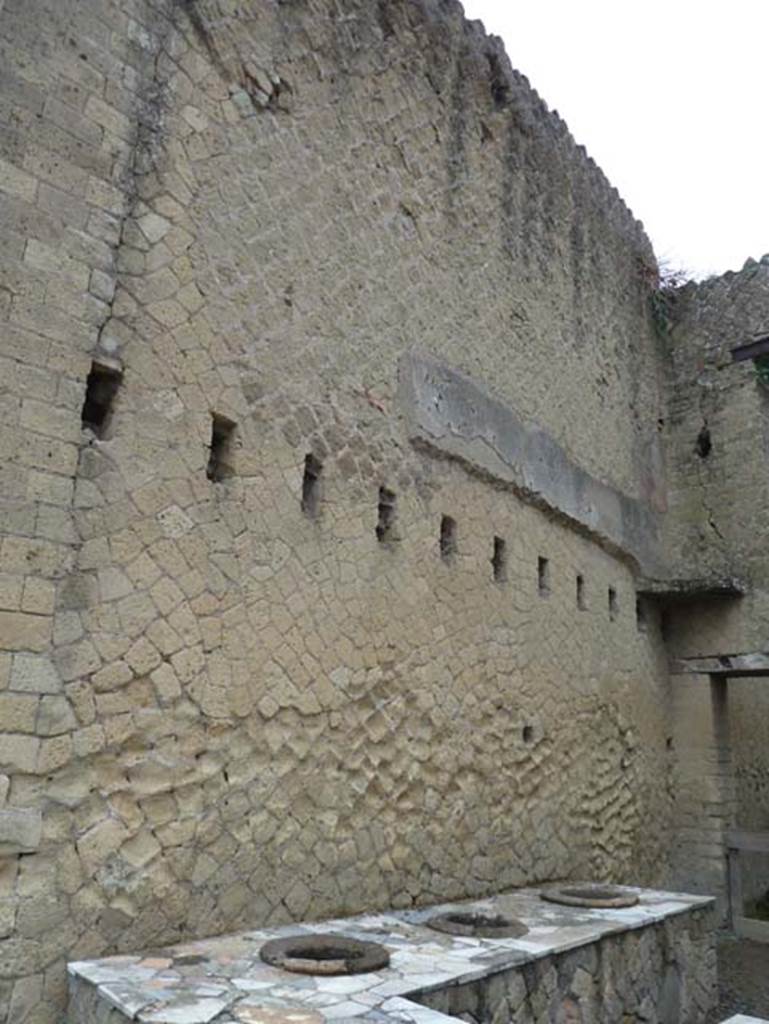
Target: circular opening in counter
x=602, y=897
x=476, y=924
x=324, y=954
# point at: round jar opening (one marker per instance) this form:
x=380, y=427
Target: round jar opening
x=602, y=897
x=324, y=954
x=474, y=923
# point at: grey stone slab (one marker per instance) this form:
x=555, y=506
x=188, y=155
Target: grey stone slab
x=125, y=998
x=190, y=1011
x=413, y=1013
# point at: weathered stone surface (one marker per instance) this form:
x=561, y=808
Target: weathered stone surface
x=717, y=451
x=20, y=830
x=665, y=974
x=18, y=753
x=237, y=705
x=34, y=674
x=22, y=632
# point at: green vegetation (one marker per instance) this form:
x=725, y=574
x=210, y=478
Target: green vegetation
x=663, y=281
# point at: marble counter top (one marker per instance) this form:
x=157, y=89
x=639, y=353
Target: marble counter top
x=223, y=979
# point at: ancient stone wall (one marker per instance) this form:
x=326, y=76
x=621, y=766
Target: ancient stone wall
x=749, y=730
x=702, y=785
x=749, y=726
x=718, y=441
x=717, y=450
x=268, y=653
x=74, y=96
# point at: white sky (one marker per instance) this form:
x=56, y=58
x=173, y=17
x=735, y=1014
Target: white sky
x=671, y=99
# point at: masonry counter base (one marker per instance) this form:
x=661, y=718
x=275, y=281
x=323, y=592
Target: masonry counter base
x=652, y=962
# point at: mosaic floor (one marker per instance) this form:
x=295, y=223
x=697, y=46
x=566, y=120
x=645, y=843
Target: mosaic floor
x=224, y=979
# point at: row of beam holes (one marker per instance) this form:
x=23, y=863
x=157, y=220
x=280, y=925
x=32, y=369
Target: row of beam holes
x=447, y=542
x=385, y=532
x=101, y=389
x=102, y=386
x=543, y=577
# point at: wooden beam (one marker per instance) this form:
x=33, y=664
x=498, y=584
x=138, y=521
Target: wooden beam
x=753, y=664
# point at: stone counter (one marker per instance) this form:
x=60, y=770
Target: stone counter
x=742, y=1019
x=653, y=962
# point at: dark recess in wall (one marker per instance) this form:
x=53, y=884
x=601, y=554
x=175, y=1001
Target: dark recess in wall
x=100, y=390
x=703, y=445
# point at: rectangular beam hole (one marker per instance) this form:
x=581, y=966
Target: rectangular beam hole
x=101, y=388
x=543, y=576
x=581, y=597
x=385, y=526
x=311, y=486
x=448, y=538
x=221, y=449
x=613, y=604
x=499, y=560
